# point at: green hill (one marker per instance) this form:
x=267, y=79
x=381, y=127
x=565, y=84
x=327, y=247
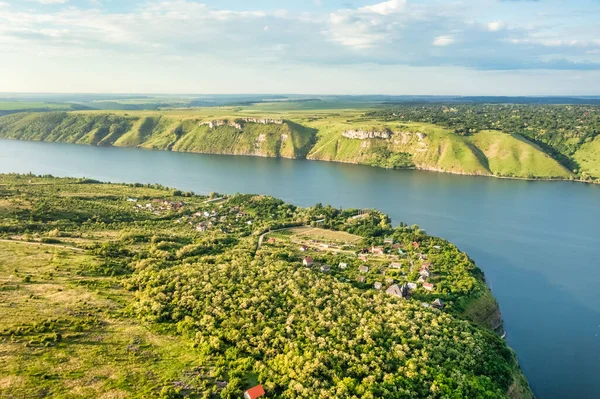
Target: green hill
x=143, y=291
x=323, y=136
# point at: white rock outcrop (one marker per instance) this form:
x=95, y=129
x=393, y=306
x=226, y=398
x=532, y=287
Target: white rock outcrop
x=361, y=134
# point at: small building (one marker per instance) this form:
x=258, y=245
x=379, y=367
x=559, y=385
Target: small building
x=249, y=222
x=255, y=392
x=396, y=290
x=415, y=245
x=388, y=240
x=132, y=200
x=411, y=286
x=308, y=261
x=438, y=304
x=421, y=279
x=377, y=250
x=362, y=257
x=396, y=265
x=428, y=286
x=303, y=248
x=201, y=227
x=437, y=247
x=325, y=268
x=343, y=265
x=363, y=269
x=389, y=280
x=426, y=265
x=396, y=246
x=377, y=285
x=361, y=279
x=272, y=240
x=424, y=273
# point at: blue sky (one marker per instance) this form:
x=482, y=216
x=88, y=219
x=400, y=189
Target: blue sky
x=484, y=47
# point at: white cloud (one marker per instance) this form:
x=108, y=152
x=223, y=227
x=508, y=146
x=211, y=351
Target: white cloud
x=443, y=40
x=495, y=26
x=52, y=1
x=385, y=8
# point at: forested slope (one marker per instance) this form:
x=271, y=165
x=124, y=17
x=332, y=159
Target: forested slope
x=141, y=291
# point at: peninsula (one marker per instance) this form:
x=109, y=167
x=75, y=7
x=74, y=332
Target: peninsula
x=142, y=290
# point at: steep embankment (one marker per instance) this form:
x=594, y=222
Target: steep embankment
x=388, y=145
x=434, y=148
x=240, y=136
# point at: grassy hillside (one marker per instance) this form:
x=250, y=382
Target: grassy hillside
x=483, y=153
x=115, y=291
x=314, y=134
x=588, y=158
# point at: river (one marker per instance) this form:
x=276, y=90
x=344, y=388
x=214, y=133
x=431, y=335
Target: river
x=537, y=242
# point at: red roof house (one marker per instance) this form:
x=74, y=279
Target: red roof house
x=308, y=261
x=428, y=286
x=254, y=393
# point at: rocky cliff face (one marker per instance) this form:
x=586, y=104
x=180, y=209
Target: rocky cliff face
x=239, y=122
x=361, y=134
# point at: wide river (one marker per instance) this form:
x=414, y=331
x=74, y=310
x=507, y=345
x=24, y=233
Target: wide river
x=537, y=242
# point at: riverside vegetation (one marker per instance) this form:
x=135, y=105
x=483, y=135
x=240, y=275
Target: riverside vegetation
x=143, y=291
x=520, y=141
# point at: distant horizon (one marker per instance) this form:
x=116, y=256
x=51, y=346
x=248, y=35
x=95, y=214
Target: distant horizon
x=173, y=94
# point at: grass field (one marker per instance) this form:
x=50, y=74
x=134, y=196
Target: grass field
x=33, y=105
x=310, y=233
x=66, y=334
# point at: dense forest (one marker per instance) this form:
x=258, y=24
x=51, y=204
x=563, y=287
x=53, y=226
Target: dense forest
x=561, y=130
x=145, y=291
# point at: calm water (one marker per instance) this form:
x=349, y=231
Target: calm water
x=538, y=242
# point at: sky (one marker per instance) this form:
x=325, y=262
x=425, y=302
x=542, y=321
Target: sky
x=400, y=47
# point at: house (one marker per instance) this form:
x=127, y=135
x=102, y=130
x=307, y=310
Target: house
x=415, y=245
x=132, y=200
x=377, y=285
x=437, y=247
x=325, y=268
x=421, y=279
x=411, y=286
x=308, y=261
x=396, y=265
x=343, y=265
x=438, y=304
x=377, y=250
x=389, y=280
x=362, y=257
x=201, y=227
x=388, y=240
x=396, y=290
x=424, y=273
x=303, y=248
x=361, y=279
x=363, y=269
x=198, y=214
x=426, y=266
x=249, y=222
x=428, y=286
x=272, y=240
x=254, y=393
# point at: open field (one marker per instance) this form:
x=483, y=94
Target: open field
x=310, y=233
x=65, y=333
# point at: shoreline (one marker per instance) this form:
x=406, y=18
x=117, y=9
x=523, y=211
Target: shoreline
x=306, y=158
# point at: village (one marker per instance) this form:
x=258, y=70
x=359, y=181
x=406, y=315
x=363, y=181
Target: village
x=404, y=273
x=401, y=271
